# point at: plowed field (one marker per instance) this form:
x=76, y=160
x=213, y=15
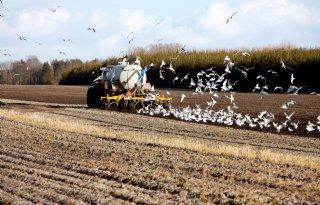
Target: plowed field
x=65, y=153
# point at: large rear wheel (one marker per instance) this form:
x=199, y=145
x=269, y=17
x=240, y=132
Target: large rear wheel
x=93, y=98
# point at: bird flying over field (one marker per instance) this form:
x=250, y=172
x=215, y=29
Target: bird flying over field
x=55, y=9
x=262, y=78
x=192, y=83
x=171, y=69
x=284, y=65
x=273, y=72
x=246, y=54
x=61, y=52
x=21, y=38
x=293, y=90
x=162, y=64
x=231, y=16
x=244, y=73
x=175, y=79
x=91, y=29
x=247, y=69
x=184, y=78
x=292, y=78
x=278, y=88
x=160, y=74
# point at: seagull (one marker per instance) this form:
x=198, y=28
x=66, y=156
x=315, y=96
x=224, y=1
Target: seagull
x=171, y=68
x=129, y=34
x=284, y=65
x=278, y=127
x=287, y=104
x=176, y=78
x=273, y=72
x=288, y=117
x=231, y=16
x=192, y=84
x=226, y=59
x=231, y=98
x=66, y=40
x=257, y=87
x=162, y=64
x=263, y=93
x=310, y=127
x=21, y=38
x=295, y=124
x=262, y=78
x=61, y=52
x=130, y=41
x=184, y=78
x=293, y=90
x=137, y=61
x=314, y=93
x=292, y=78
x=244, y=73
x=182, y=97
x=92, y=29
x=147, y=50
x=247, y=69
x=245, y=54
x=278, y=88
x=54, y=10
x=160, y=74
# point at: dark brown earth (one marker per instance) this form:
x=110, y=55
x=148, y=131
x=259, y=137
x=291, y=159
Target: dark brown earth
x=306, y=107
x=45, y=165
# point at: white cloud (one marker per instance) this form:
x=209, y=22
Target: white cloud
x=40, y=22
x=257, y=23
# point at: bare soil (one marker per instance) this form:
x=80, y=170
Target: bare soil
x=47, y=166
x=306, y=106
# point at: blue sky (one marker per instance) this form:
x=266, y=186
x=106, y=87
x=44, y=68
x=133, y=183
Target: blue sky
x=196, y=24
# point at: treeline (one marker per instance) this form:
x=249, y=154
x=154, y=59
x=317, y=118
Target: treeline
x=305, y=64
x=32, y=72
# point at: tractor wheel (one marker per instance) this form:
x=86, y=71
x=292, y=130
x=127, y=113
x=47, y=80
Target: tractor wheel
x=93, y=98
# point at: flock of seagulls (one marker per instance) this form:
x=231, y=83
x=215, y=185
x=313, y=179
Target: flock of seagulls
x=216, y=84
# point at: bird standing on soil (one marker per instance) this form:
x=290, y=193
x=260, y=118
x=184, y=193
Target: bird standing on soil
x=182, y=97
x=287, y=104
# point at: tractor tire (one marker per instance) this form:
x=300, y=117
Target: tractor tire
x=93, y=98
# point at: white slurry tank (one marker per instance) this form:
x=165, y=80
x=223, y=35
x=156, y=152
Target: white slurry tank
x=124, y=84
x=129, y=77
